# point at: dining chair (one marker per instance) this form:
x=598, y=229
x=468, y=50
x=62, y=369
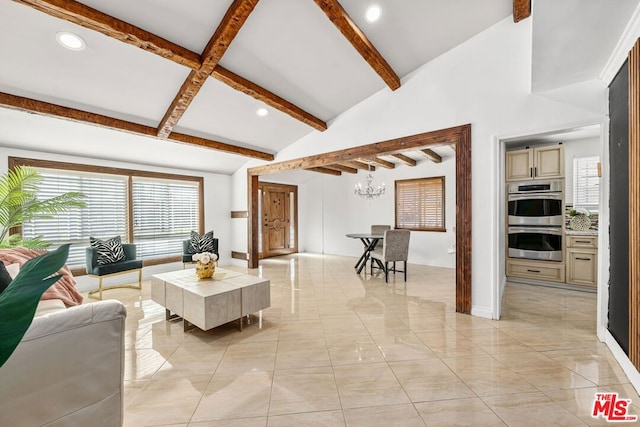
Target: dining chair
x=395, y=248
x=379, y=229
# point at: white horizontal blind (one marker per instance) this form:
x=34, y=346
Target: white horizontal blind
x=586, y=183
x=164, y=213
x=104, y=216
x=420, y=204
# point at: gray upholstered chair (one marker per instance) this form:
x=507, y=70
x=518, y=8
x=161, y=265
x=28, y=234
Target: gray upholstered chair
x=395, y=248
x=379, y=229
x=128, y=265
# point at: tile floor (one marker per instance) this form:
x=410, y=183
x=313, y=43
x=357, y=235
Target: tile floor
x=340, y=349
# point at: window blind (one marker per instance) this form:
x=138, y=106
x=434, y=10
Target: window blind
x=586, y=183
x=420, y=204
x=164, y=213
x=104, y=216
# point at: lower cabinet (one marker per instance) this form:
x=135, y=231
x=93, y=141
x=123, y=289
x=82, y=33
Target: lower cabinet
x=549, y=271
x=582, y=260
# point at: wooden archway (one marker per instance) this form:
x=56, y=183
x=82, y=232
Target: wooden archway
x=458, y=137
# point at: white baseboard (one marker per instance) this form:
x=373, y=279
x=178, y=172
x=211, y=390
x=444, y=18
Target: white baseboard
x=485, y=312
x=626, y=365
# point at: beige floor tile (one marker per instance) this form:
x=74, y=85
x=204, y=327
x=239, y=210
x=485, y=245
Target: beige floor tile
x=303, y=390
x=458, y=412
x=429, y=380
x=526, y=361
x=311, y=419
x=355, y=350
x=250, y=357
x=240, y=422
x=302, y=354
x=450, y=343
x=383, y=416
x=403, y=347
x=531, y=409
x=230, y=396
x=143, y=364
x=555, y=379
x=368, y=385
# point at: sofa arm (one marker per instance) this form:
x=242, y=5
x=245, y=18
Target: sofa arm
x=91, y=259
x=68, y=369
x=129, y=250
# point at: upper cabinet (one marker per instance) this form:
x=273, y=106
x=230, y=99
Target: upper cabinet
x=535, y=163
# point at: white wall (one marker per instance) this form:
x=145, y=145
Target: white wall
x=217, y=204
x=484, y=81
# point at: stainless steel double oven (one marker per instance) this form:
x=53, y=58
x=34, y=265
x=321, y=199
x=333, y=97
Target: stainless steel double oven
x=535, y=216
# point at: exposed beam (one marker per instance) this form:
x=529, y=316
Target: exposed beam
x=405, y=159
x=249, y=88
x=51, y=110
x=384, y=148
x=92, y=19
x=381, y=162
x=360, y=165
x=229, y=27
x=79, y=14
x=325, y=170
x=360, y=42
x=432, y=155
x=343, y=168
x=521, y=10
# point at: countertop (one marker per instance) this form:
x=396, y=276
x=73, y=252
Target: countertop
x=581, y=233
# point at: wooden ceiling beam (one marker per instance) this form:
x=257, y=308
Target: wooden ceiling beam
x=229, y=27
x=432, y=155
x=325, y=170
x=52, y=110
x=380, y=162
x=405, y=159
x=79, y=14
x=249, y=88
x=360, y=165
x=85, y=16
x=342, y=168
x=336, y=13
x=383, y=148
x=521, y=10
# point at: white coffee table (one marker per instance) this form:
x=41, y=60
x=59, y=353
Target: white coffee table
x=208, y=303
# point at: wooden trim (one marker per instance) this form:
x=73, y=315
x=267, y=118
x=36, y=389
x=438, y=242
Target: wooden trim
x=342, y=168
x=634, y=205
x=432, y=155
x=392, y=146
x=405, y=159
x=239, y=214
x=261, y=94
x=459, y=136
x=328, y=171
x=360, y=165
x=85, y=16
x=130, y=209
x=381, y=162
x=163, y=260
x=359, y=41
x=239, y=255
x=521, y=10
x=51, y=110
x=229, y=27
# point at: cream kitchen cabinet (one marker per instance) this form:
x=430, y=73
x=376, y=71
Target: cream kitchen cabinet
x=535, y=163
x=582, y=260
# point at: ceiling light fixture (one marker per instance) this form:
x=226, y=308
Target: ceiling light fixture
x=373, y=13
x=262, y=112
x=70, y=41
x=368, y=191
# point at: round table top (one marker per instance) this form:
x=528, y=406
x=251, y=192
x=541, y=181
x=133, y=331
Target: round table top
x=365, y=236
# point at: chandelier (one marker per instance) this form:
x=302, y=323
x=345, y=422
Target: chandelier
x=368, y=191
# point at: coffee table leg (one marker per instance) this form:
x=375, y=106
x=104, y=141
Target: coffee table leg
x=169, y=316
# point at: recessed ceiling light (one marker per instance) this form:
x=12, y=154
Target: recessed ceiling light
x=262, y=112
x=70, y=41
x=373, y=13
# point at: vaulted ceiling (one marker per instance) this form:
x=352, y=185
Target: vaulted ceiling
x=184, y=80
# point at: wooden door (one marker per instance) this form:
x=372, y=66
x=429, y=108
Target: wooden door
x=279, y=230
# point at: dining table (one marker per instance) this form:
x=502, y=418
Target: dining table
x=369, y=242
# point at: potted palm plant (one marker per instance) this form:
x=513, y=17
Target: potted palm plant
x=20, y=203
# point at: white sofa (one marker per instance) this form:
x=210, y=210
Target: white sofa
x=68, y=369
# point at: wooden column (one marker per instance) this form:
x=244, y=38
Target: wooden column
x=634, y=205
x=463, y=221
x=252, y=223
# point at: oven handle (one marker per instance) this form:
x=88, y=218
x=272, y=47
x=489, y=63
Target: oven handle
x=543, y=230
x=529, y=196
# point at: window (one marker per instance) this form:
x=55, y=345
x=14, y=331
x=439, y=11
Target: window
x=586, y=183
x=162, y=208
x=420, y=204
